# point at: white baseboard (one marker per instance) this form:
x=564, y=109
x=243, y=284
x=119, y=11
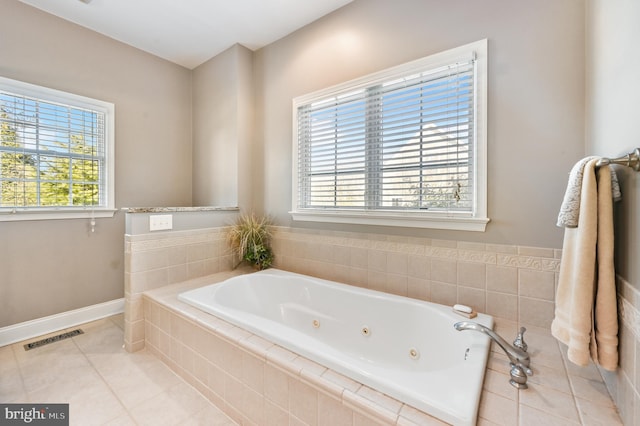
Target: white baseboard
x=38, y=327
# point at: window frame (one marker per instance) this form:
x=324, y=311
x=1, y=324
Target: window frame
x=46, y=94
x=451, y=220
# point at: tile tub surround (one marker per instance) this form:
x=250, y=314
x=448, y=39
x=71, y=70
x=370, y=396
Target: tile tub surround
x=624, y=383
x=256, y=382
x=513, y=283
x=159, y=259
x=510, y=282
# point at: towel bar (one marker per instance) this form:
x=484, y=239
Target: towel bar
x=632, y=160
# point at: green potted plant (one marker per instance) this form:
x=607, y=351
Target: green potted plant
x=249, y=238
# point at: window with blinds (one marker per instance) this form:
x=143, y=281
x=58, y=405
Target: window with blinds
x=404, y=141
x=54, y=150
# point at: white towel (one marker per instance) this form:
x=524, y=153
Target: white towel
x=570, y=208
x=586, y=317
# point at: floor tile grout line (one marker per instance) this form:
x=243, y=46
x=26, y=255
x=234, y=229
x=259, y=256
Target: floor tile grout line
x=126, y=410
x=95, y=369
x=18, y=347
x=17, y=364
x=571, y=385
x=566, y=361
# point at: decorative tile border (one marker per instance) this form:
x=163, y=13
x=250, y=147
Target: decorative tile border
x=539, y=259
x=147, y=242
x=629, y=307
x=529, y=262
x=178, y=209
x=477, y=256
x=624, y=384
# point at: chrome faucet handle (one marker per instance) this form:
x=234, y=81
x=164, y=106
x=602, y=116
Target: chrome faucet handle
x=519, y=359
x=519, y=342
x=526, y=369
x=518, y=377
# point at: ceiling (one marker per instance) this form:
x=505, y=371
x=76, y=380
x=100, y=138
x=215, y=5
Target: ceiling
x=189, y=32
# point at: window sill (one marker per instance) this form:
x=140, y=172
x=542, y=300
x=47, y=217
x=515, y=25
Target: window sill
x=53, y=214
x=450, y=221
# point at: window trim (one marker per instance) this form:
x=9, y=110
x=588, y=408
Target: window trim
x=68, y=212
x=475, y=221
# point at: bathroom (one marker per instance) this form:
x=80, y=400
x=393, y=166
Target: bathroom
x=561, y=84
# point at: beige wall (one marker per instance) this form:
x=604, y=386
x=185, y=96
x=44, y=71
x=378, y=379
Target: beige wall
x=536, y=97
x=222, y=115
x=612, y=115
x=613, y=90
x=48, y=267
x=535, y=127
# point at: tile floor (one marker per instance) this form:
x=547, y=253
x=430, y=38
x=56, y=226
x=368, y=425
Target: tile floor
x=103, y=384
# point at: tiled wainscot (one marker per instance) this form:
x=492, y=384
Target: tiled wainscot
x=256, y=382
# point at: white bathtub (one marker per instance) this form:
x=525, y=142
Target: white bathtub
x=402, y=347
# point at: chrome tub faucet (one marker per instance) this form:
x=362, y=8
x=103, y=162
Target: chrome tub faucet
x=518, y=356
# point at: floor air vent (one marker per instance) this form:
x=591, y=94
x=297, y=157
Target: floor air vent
x=52, y=339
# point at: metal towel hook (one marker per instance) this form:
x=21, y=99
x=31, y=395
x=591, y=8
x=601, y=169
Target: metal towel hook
x=632, y=160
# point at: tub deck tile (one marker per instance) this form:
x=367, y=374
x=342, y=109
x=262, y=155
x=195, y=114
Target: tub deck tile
x=498, y=409
x=237, y=334
x=324, y=385
x=365, y=406
x=550, y=401
x=257, y=345
x=594, y=414
x=409, y=416
x=341, y=380
x=283, y=358
x=209, y=321
x=530, y=416
x=308, y=367
x=543, y=375
x=498, y=383
x=379, y=398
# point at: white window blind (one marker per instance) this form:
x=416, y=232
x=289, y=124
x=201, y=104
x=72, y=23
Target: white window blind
x=54, y=150
x=402, y=142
